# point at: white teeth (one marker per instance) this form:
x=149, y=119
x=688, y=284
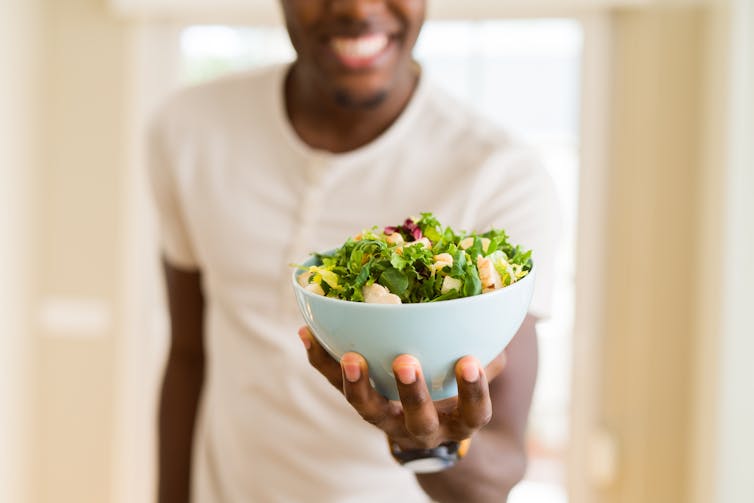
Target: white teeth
x=360, y=47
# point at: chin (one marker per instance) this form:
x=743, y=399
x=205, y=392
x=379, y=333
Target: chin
x=363, y=91
x=361, y=99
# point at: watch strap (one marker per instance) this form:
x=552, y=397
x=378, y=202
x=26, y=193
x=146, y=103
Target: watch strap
x=433, y=459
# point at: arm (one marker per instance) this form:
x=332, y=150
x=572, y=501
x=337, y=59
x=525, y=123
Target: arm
x=182, y=383
x=497, y=458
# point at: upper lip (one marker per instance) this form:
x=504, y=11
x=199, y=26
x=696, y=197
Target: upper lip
x=358, y=34
x=356, y=31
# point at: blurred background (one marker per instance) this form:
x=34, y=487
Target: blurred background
x=643, y=111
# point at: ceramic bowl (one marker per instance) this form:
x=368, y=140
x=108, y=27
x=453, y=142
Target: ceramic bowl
x=436, y=333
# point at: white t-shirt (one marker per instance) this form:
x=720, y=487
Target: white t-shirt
x=240, y=197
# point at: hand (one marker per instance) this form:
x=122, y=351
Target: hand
x=416, y=422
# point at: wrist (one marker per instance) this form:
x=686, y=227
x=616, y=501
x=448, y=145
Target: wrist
x=430, y=460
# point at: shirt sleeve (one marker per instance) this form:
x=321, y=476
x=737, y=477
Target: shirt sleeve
x=174, y=237
x=519, y=195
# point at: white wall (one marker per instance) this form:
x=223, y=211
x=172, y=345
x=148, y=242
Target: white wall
x=736, y=261
x=723, y=409
x=18, y=53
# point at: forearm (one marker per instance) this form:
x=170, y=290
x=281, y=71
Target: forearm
x=494, y=464
x=181, y=389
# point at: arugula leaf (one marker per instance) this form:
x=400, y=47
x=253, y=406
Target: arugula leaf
x=476, y=249
x=472, y=284
x=458, y=270
x=430, y=227
x=397, y=260
x=363, y=276
x=394, y=280
x=356, y=260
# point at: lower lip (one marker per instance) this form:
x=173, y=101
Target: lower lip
x=360, y=63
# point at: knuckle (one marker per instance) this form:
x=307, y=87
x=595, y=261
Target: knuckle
x=486, y=418
x=414, y=401
x=422, y=429
x=480, y=420
x=372, y=417
x=473, y=394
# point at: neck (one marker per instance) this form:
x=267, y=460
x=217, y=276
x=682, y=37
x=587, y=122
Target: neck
x=324, y=123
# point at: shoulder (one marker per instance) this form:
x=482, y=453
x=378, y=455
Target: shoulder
x=485, y=150
x=460, y=124
x=208, y=105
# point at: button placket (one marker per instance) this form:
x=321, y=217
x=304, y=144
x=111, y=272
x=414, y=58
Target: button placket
x=310, y=207
x=305, y=221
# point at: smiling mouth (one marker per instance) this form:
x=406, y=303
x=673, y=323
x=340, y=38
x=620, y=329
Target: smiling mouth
x=362, y=51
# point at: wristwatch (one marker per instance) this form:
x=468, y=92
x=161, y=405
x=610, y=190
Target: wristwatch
x=432, y=460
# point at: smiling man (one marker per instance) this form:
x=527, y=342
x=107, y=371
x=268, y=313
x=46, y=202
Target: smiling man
x=252, y=173
x=354, y=73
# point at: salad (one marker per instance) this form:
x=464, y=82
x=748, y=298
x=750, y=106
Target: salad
x=419, y=261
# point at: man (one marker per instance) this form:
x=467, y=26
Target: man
x=252, y=173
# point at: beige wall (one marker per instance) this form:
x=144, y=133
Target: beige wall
x=19, y=33
x=635, y=375
x=78, y=248
x=652, y=207
x=676, y=361
x=708, y=305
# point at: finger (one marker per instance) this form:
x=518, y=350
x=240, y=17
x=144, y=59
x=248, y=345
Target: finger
x=496, y=366
x=370, y=405
x=474, y=405
x=420, y=415
x=321, y=359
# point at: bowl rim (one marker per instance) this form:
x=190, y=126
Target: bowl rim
x=413, y=305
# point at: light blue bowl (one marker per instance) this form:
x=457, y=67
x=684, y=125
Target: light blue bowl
x=436, y=333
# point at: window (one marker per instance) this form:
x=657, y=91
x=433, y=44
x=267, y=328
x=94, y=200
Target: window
x=524, y=75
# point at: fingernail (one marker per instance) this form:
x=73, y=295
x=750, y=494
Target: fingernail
x=305, y=338
x=406, y=374
x=470, y=372
x=352, y=370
